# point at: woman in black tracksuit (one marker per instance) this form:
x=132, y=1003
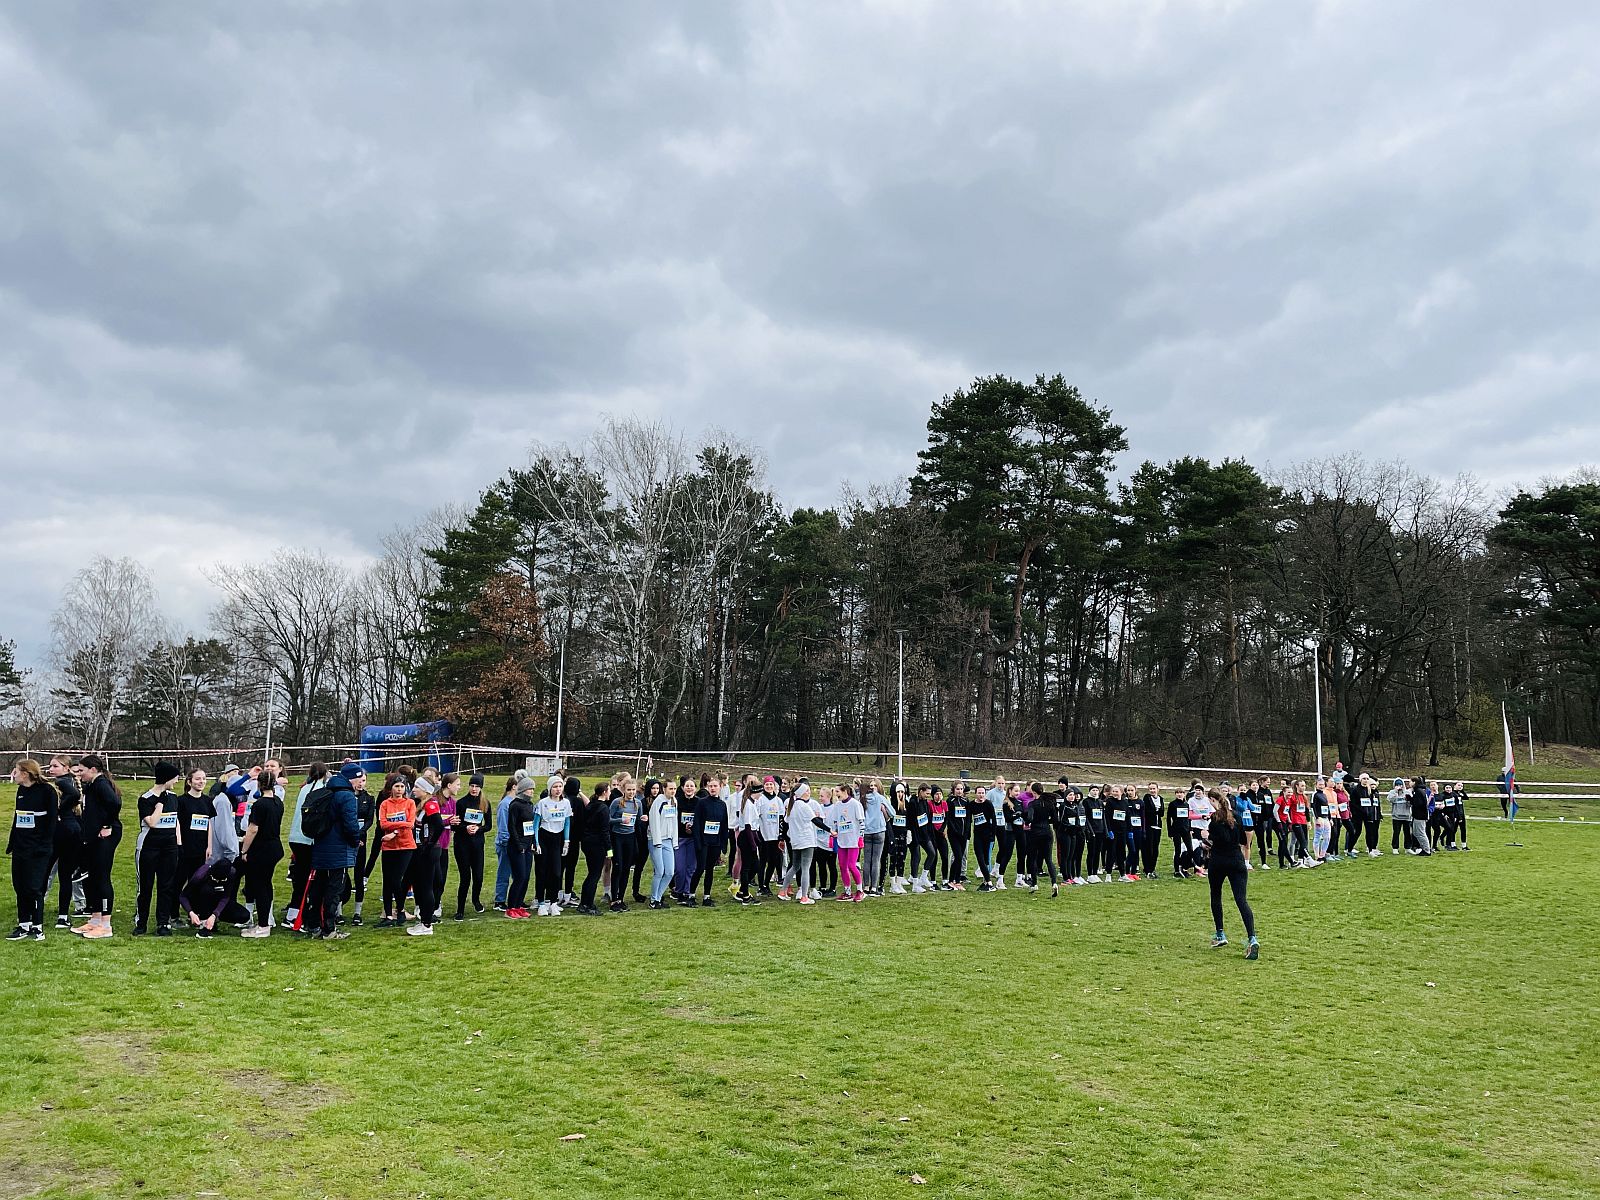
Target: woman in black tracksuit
x=1005, y=833
x=102, y=831
x=1228, y=843
x=474, y=818
x=1181, y=832
x=710, y=836
x=1094, y=834
x=981, y=813
x=1041, y=830
x=591, y=829
x=959, y=830
x=522, y=842
x=1151, y=812
x=31, y=846
x=428, y=833
x=261, y=850
x=195, y=810
x=899, y=836
x=1069, y=835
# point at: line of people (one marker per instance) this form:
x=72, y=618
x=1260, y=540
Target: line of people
x=208, y=853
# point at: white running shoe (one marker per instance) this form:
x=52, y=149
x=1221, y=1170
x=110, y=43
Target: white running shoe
x=1374, y=853
x=420, y=930
x=1019, y=881
x=916, y=887
x=897, y=888
x=555, y=910
x=999, y=883
x=256, y=931
x=544, y=909
x=1249, y=866
x=1094, y=879
x=1393, y=851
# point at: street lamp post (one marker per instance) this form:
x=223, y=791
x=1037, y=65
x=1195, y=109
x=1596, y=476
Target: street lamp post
x=900, y=756
x=561, y=685
x=1316, y=700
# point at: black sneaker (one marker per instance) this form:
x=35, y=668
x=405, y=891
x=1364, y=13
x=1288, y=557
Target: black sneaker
x=164, y=931
x=637, y=899
x=18, y=934
x=478, y=908
x=691, y=902
x=139, y=929
x=356, y=920
x=460, y=917
x=37, y=933
x=498, y=907
x=984, y=887
x=203, y=932
x=754, y=902
x=657, y=904
x=1254, y=952
x=708, y=902
x=63, y=922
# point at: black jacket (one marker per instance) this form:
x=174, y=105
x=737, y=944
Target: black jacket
x=33, y=829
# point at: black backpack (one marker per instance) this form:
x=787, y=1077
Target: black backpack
x=316, y=814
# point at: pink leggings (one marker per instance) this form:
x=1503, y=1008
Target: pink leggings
x=849, y=866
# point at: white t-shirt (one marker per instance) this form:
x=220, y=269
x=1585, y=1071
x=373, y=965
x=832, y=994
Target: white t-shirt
x=771, y=808
x=749, y=814
x=848, y=820
x=802, y=833
x=553, y=815
x=829, y=813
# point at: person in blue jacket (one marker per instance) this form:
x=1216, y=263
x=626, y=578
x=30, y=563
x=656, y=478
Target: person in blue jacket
x=334, y=854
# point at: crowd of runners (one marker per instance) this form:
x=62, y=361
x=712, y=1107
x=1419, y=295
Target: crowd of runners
x=209, y=853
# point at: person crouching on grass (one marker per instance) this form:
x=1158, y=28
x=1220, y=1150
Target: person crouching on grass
x=1228, y=846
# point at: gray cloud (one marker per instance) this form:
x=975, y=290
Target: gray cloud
x=292, y=274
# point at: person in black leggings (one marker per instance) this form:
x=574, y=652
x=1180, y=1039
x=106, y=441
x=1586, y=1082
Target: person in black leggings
x=261, y=851
x=472, y=821
x=69, y=837
x=1041, y=829
x=1228, y=843
x=898, y=839
x=591, y=829
x=102, y=830
x=959, y=831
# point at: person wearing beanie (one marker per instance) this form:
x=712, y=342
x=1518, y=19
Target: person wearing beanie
x=260, y=852
x=502, y=844
x=553, y=823
x=355, y=883
x=156, y=852
x=519, y=824
x=472, y=820
x=567, y=886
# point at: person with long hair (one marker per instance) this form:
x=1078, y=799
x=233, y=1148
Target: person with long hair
x=803, y=825
x=31, y=845
x=684, y=861
x=194, y=819
x=68, y=839
x=899, y=837
x=397, y=842
x=261, y=851
x=472, y=821
x=769, y=834
x=1041, y=830
x=427, y=836
x=591, y=829
x=711, y=836
x=449, y=795
x=502, y=842
x=520, y=821
x=102, y=831
x=1228, y=855
x=554, y=820
x=300, y=843
x=959, y=831
x=155, y=852
x=663, y=832
x=848, y=823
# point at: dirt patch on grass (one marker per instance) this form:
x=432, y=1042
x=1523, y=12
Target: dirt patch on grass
x=21, y=1177
x=282, y=1096
x=131, y=1051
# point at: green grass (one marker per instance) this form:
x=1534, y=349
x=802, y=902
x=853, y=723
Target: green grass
x=995, y=1045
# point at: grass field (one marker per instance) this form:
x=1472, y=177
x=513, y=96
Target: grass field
x=1413, y=1027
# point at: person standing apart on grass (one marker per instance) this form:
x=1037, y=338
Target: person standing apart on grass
x=335, y=852
x=260, y=852
x=194, y=820
x=155, y=852
x=1228, y=855
x=520, y=820
x=553, y=817
x=397, y=842
x=102, y=831
x=299, y=846
x=31, y=846
x=849, y=820
x=803, y=826
x=663, y=832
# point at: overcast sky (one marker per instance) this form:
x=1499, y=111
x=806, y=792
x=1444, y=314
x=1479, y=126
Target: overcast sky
x=295, y=273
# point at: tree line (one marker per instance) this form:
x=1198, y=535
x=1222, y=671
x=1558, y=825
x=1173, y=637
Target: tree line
x=1029, y=597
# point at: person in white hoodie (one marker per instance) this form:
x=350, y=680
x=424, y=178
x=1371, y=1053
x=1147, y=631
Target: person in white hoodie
x=803, y=824
x=662, y=829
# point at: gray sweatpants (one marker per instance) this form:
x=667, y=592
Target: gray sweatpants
x=799, y=869
x=1419, y=835
x=872, y=861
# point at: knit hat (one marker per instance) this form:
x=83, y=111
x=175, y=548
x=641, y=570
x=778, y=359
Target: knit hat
x=166, y=772
x=1399, y=783
x=553, y=784
x=527, y=784
x=475, y=781
x=353, y=770
x=423, y=786
x=573, y=788
x=231, y=769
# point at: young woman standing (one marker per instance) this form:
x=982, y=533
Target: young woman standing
x=1399, y=817
x=591, y=829
x=849, y=820
x=937, y=876
x=984, y=825
x=554, y=821
x=300, y=844
x=748, y=823
x=663, y=832
x=960, y=833
x=802, y=829
x=1300, y=824
x=521, y=827
x=1228, y=853
x=69, y=839
x=397, y=842
x=428, y=834
x=899, y=837
x=260, y=852
x=102, y=830
x=31, y=847
x=711, y=836
x=625, y=814
x=1042, y=815
x=156, y=852
x=769, y=829
x=825, y=859
x=472, y=822
x=194, y=819
x=683, y=872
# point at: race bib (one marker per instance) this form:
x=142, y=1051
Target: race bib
x=398, y=818
x=1117, y=814
x=1181, y=814
x=199, y=824
x=627, y=820
x=166, y=821
x=961, y=812
x=899, y=821
x=528, y=828
x=669, y=812
x=979, y=819
x=1097, y=814
x=713, y=828
x=938, y=818
x=922, y=819
x=1138, y=822
x=473, y=816
x=25, y=820
x=1083, y=820
x=688, y=820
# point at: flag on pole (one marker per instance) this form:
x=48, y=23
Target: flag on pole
x=1508, y=777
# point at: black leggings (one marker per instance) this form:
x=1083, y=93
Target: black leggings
x=1238, y=878
x=641, y=855
x=469, y=871
x=30, y=876
x=424, y=878
x=569, y=868
x=99, y=893
x=1372, y=826
x=897, y=855
x=548, y=867
x=396, y=864
x=771, y=864
x=1040, y=856
x=824, y=870
x=1265, y=827
x=1005, y=841
x=621, y=864
x=1400, y=831
x=66, y=865
x=706, y=858
x=594, y=861
x=158, y=873
x=258, y=884
x=938, y=848
x=1150, y=846
x=958, y=858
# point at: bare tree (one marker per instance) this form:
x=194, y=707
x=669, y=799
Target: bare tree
x=283, y=619
x=105, y=625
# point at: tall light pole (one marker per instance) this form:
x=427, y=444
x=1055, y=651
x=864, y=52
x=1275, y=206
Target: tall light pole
x=561, y=687
x=900, y=756
x=1316, y=698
